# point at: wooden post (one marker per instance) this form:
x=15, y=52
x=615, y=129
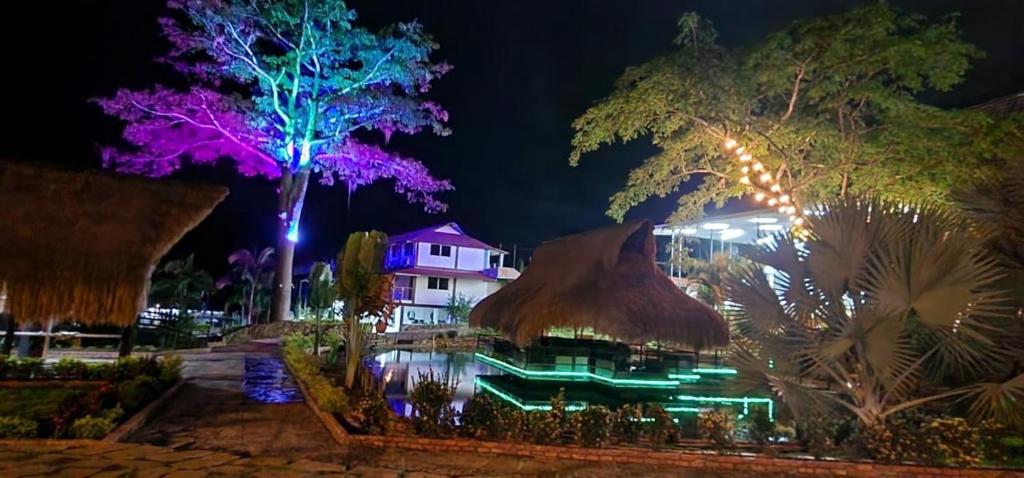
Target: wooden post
x=8, y=345
x=124, y=345
x=46, y=338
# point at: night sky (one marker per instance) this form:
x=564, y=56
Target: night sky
x=524, y=70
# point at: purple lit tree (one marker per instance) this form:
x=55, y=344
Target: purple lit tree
x=280, y=87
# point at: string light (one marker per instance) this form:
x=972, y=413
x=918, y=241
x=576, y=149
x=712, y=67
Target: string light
x=774, y=194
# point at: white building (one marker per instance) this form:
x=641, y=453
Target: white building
x=435, y=264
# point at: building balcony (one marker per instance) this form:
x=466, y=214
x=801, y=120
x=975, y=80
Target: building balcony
x=403, y=294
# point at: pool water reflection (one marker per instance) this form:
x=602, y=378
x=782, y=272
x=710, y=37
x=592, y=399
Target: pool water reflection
x=399, y=370
x=267, y=381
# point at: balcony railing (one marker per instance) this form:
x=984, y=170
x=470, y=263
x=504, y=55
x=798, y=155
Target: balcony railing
x=403, y=294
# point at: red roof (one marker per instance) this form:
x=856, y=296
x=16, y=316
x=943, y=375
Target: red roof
x=430, y=235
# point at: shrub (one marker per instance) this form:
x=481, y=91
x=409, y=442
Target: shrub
x=100, y=371
x=627, y=424
x=816, y=432
x=433, y=414
x=17, y=427
x=135, y=393
x=70, y=369
x=5, y=367
x=482, y=417
x=330, y=398
x=170, y=369
x=759, y=426
x=541, y=429
x=515, y=424
x=129, y=368
x=374, y=414
x=717, y=427
x=91, y=427
x=81, y=404
x=593, y=426
x=952, y=441
x=27, y=368
x=661, y=429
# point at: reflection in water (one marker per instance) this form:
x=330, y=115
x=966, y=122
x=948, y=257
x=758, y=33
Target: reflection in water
x=400, y=369
x=267, y=381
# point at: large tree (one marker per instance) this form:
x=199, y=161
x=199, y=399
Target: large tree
x=825, y=107
x=285, y=89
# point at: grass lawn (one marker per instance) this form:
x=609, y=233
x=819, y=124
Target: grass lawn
x=34, y=402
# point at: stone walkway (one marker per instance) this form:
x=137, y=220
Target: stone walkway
x=222, y=407
x=83, y=458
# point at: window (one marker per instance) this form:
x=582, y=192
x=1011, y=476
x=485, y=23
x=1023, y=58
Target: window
x=437, y=283
x=439, y=250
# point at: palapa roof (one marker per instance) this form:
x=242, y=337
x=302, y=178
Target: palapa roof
x=82, y=245
x=604, y=279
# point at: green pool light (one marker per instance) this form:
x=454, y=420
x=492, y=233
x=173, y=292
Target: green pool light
x=716, y=371
x=571, y=407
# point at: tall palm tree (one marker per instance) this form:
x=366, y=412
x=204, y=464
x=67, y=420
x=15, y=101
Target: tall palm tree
x=322, y=293
x=180, y=284
x=252, y=273
x=996, y=205
x=365, y=290
x=869, y=312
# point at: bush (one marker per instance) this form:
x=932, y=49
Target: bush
x=816, y=432
x=135, y=393
x=170, y=369
x=91, y=427
x=330, y=398
x=482, y=417
x=17, y=427
x=5, y=367
x=593, y=426
x=130, y=368
x=661, y=429
x=759, y=426
x=70, y=369
x=373, y=413
x=515, y=424
x=27, y=368
x=542, y=430
x=433, y=414
x=627, y=424
x=952, y=442
x=100, y=371
x=718, y=427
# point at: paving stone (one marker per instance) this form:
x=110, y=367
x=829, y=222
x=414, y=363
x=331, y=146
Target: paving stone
x=135, y=452
x=172, y=456
x=315, y=467
x=76, y=472
x=210, y=461
x=186, y=474
x=263, y=461
x=112, y=474
x=230, y=470
x=154, y=471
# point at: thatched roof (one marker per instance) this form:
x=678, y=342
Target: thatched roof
x=1004, y=105
x=604, y=279
x=82, y=245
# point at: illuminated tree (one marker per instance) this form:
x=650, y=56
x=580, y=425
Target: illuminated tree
x=825, y=107
x=285, y=90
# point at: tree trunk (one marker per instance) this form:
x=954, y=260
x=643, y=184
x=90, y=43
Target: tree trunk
x=8, y=345
x=124, y=346
x=291, y=194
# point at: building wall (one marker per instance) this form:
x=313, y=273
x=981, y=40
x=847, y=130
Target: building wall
x=472, y=259
x=424, y=258
x=431, y=296
x=474, y=289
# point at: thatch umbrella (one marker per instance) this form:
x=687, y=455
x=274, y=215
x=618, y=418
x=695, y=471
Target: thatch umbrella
x=604, y=279
x=82, y=245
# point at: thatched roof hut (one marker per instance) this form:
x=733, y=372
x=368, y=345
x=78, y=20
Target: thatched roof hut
x=82, y=245
x=606, y=280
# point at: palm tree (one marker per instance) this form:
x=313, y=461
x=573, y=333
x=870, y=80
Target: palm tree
x=180, y=284
x=365, y=290
x=252, y=272
x=870, y=312
x=996, y=205
x=322, y=294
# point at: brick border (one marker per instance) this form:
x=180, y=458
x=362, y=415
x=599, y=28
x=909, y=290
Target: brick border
x=747, y=463
x=142, y=417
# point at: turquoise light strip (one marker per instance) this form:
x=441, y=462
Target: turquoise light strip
x=746, y=401
x=555, y=374
x=571, y=407
x=718, y=371
x=684, y=376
